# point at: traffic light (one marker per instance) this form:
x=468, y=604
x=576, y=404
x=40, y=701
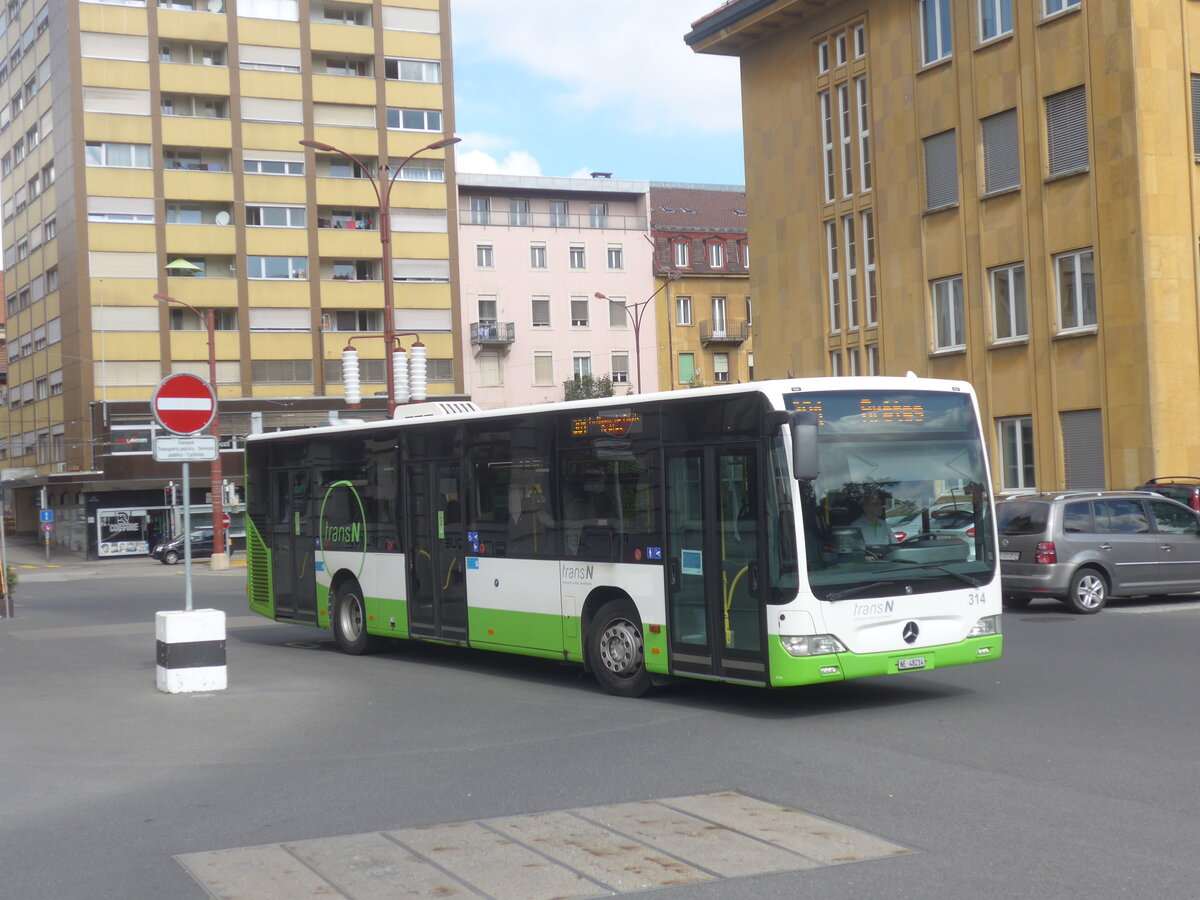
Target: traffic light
x=169, y=494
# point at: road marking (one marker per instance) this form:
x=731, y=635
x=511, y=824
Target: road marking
x=1139, y=608
x=598, y=851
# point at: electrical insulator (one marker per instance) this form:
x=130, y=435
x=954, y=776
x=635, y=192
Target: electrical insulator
x=417, y=371
x=350, y=382
x=400, y=375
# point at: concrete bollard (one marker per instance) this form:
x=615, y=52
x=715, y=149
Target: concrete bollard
x=190, y=650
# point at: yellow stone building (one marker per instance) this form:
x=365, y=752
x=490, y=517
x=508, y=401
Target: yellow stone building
x=993, y=190
x=154, y=148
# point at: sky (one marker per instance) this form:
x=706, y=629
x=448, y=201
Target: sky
x=568, y=87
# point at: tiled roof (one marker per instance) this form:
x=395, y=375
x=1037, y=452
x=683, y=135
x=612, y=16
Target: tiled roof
x=697, y=209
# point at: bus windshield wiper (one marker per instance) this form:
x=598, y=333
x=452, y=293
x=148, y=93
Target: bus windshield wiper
x=855, y=588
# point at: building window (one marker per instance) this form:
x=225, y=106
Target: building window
x=941, y=171
x=839, y=44
x=683, y=310
x=1015, y=436
x=414, y=119
x=720, y=322
x=827, y=144
x=682, y=254
x=425, y=70
x=481, y=211
x=272, y=167
x=579, y=312
x=275, y=216
x=581, y=366
x=281, y=371
x=716, y=255
x=537, y=256
x=518, y=211
x=835, y=362
x=540, y=312
x=558, y=213
x=490, y=373
x=277, y=267
x=578, y=256
x=872, y=359
x=833, y=276
x=687, y=368
x=1075, y=275
x=864, y=133
x=484, y=258
x=935, y=30
x=1001, y=152
x=128, y=156
x=853, y=364
x=949, y=332
x=486, y=303
x=1057, y=6
x=1066, y=131
x=1009, y=314
x=860, y=41
x=822, y=57
x=844, y=118
x=995, y=19
x=1195, y=117
x=543, y=368
x=598, y=214
x=616, y=256
x=872, y=283
x=721, y=368
x=617, y=316
x=851, y=271
x=620, y=367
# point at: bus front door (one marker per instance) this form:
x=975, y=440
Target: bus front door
x=437, y=596
x=713, y=567
x=292, y=546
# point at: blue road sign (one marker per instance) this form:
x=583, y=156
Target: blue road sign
x=47, y=515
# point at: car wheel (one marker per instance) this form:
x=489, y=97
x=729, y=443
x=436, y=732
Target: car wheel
x=616, y=652
x=170, y=557
x=1011, y=602
x=1088, y=592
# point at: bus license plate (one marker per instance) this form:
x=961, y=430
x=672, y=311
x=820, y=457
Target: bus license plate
x=1009, y=555
x=912, y=662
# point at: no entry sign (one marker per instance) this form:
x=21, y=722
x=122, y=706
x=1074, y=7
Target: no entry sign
x=184, y=403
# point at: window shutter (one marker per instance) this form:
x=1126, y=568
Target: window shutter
x=1001, y=152
x=133, y=206
x=113, y=46
x=1066, y=131
x=114, y=264
x=432, y=221
x=279, y=319
x=941, y=171
x=422, y=320
x=343, y=114
x=270, y=110
x=1196, y=115
x=125, y=318
x=1083, y=449
x=421, y=269
x=288, y=58
x=116, y=100
x=397, y=18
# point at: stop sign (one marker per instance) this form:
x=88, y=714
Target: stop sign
x=184, y=403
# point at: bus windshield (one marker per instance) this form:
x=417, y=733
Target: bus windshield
x=901, y=504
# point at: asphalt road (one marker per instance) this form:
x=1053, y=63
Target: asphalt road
x=1068, y=769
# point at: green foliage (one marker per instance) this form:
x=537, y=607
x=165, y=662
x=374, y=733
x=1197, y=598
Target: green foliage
x=587, y=387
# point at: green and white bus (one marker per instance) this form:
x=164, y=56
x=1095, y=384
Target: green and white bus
x=719, y=533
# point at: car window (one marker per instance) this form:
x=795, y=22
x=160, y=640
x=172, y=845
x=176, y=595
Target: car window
x=1120, y=517
x=1021, y=518
x=1171, y=519
x=1077, y=518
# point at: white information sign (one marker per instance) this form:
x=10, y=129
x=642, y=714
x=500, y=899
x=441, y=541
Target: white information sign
x=192, y=448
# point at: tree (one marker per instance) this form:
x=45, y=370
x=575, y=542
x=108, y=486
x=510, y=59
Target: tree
x=585, y=387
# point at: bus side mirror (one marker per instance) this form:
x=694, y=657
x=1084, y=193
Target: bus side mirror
x=803, y=427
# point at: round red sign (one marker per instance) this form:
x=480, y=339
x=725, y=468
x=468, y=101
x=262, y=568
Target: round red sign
x=184, y=404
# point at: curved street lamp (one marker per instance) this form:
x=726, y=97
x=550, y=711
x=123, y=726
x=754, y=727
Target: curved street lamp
x=636, y=311
x=381, y=183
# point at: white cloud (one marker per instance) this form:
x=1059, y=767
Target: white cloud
x=515, y=162
x=625, y=56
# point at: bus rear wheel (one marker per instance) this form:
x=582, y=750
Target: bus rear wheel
x=350, y=621
x=616, y=651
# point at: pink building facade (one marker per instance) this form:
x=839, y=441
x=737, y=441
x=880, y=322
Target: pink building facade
x=553, y=275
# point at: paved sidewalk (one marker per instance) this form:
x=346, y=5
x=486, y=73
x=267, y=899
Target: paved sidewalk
x=28, y=558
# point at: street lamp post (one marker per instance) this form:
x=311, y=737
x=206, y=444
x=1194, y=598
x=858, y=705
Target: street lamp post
x=636, y=311
x=220, y=558
x=381, y=183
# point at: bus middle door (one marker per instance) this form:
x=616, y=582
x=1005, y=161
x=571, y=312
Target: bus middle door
x=293, y=543
x=713, y=562
x=437, y=596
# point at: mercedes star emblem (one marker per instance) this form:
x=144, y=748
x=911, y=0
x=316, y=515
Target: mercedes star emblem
x=910, y=632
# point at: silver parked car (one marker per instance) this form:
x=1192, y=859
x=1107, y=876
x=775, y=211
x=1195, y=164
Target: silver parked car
x=1084, y=547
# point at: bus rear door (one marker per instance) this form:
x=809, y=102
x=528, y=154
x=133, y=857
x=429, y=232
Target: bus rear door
x=713, y=562
x=437, y=598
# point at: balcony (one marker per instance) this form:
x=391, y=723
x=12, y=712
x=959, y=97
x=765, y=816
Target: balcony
x=724, y=333
x=573, y=221
x=493, y=334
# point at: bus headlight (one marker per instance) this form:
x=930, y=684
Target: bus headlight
x=811, y=644
x=985, y=626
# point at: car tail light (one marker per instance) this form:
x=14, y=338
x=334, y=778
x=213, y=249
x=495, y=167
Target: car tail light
x=971, y=532
x=1046, y=554
x=1196, y=499
x=901, y=536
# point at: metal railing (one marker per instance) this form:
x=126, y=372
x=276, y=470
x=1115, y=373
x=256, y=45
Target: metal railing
x=729, y=333
x=576, y=221
x=483, y=333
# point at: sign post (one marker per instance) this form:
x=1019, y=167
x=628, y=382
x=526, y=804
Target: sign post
x=191, y=644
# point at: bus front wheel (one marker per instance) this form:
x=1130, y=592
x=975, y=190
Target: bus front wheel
x=350, y=621
x=616, y=651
